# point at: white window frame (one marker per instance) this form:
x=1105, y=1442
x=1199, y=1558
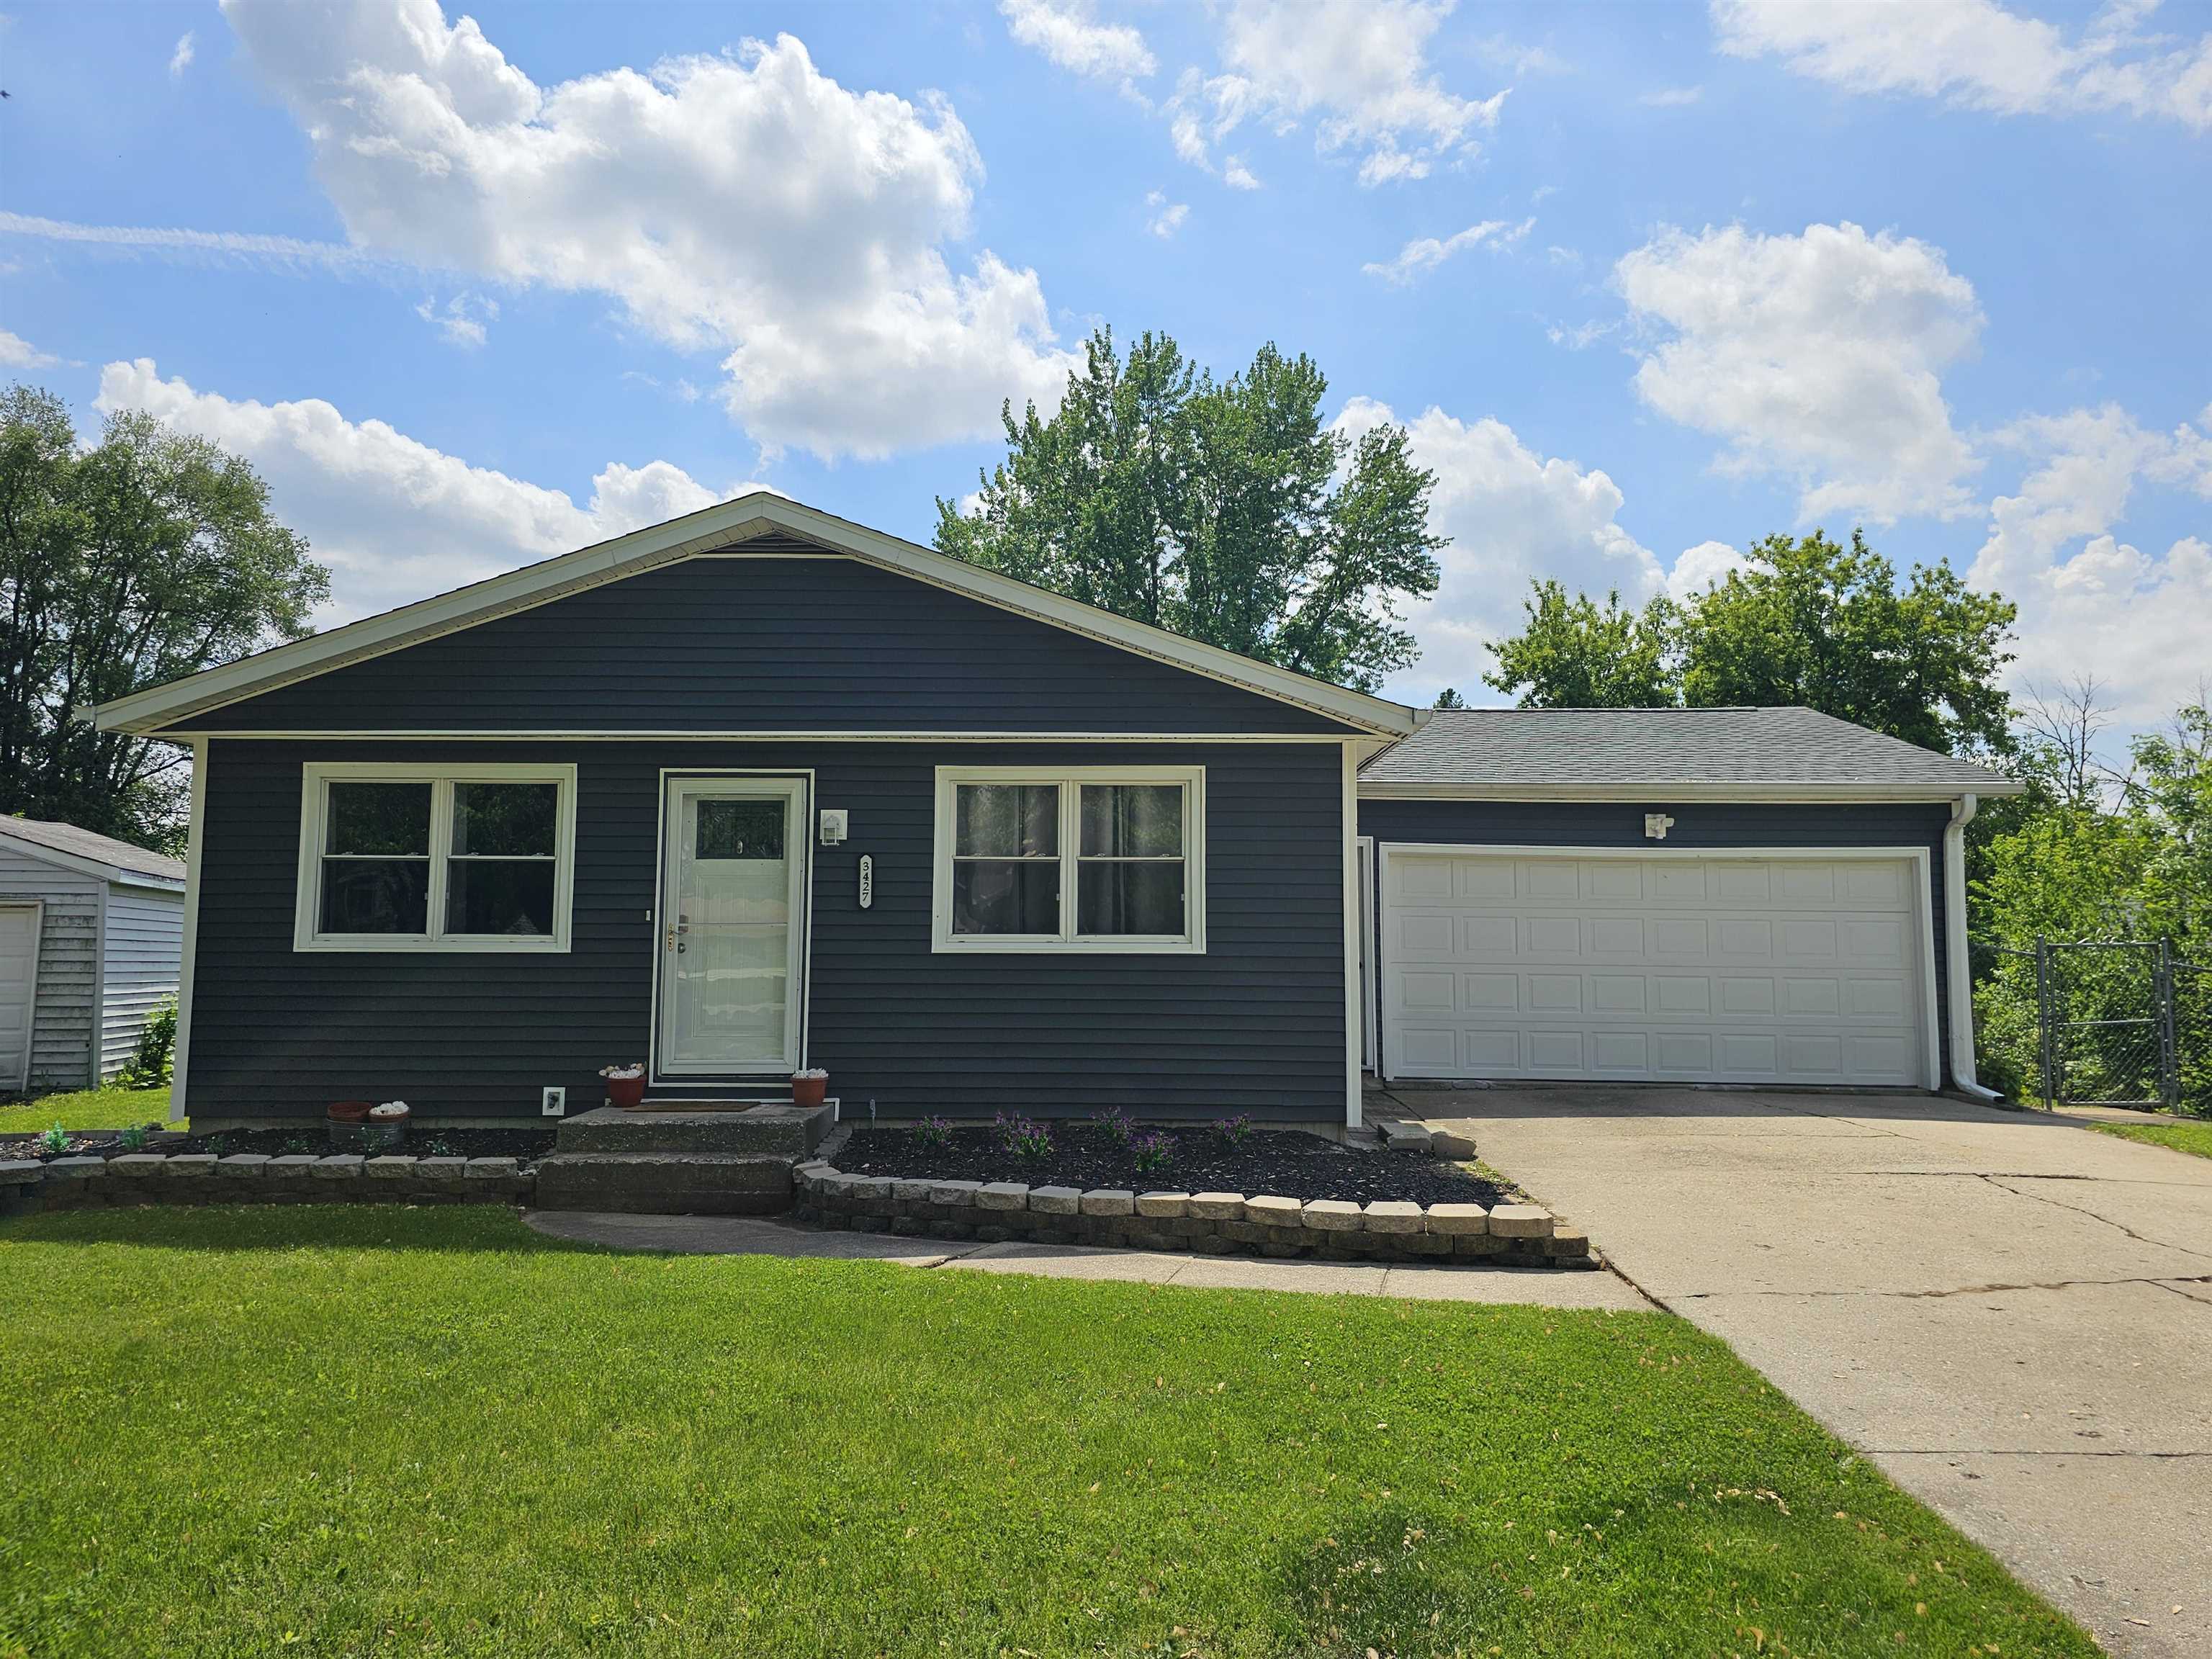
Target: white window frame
x=317, y=776
x=1070, y=779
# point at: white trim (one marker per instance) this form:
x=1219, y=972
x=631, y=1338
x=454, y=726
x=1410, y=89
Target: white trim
x=316, y=776
x=196, y=836
x=1068, y=942
x=1958, y=975
x=1348, y=872
x=1923, y=900
x=1661, y=791
x=728, y=735
x=717, y=529
x=37, y=909
x=799, y=833
x=1371, y=1043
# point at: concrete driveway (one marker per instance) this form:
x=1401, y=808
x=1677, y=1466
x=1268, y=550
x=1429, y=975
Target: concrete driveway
x=2010, y=1313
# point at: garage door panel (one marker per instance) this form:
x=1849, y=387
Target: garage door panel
x=19, y=976
x=1726, y=970
x=1422, y=878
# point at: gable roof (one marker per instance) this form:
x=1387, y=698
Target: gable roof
x=717, y=529
x=1681, y=754
x=64, y=843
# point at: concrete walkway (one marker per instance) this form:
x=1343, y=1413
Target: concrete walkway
x=705, y=1235
x=2011, y=1314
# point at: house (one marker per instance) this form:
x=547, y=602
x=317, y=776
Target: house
x=761, y=789
x=91, y=930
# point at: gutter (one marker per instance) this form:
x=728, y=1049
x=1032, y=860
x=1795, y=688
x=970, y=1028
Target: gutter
x=1959, y=972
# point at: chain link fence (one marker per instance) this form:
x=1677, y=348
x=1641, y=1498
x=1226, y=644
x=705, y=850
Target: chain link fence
x=2094, y=1021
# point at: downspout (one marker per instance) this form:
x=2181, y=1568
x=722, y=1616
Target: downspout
x=1959, y=971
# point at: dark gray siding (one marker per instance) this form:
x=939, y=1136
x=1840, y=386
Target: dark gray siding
x=1604, y=823
x=806, y=644
x=1255, y=1025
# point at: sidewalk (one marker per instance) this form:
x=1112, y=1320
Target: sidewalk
x=705, y=1235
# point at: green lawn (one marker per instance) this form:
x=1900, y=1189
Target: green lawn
x=111, y=1108
x=387, y=1431
x=2180, y=1134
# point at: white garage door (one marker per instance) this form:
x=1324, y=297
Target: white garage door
x=1669, y=968
x=19, y=979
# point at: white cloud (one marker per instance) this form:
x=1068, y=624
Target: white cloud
x=746, y=205
x=1359, y=67
x=1816, y=356
x=1671, y=97
x=1426, y=253
x=1702, y=567
x=2088, y=601
x=16, y=352
x=281, y=253
x=463, y=320
x=182, y=58
x=1167, y=217
x=1977, y=54
x=1065, y=32
x=1511, y=514
x=395, y=519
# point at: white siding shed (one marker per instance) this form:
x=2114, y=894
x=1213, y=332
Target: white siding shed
x=91, y=935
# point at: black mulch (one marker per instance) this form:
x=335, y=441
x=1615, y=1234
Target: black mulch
x=313, y=1138
x=1287, y=1162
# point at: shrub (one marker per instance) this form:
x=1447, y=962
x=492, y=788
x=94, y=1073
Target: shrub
x=55, y=1140
x=1118, y=1126
x=1023, y=1137
x=133, y=1139
x=1154, y=1149
x=1233, y=1129
x=156, y=1054
x=933, y=1131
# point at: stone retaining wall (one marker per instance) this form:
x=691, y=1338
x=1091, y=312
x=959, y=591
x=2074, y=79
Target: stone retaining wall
x=1218, y=1224
x=79, y=1183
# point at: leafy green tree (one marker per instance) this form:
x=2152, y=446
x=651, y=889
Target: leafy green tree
x=1574, y=653
x=1829, y=626
x=1225, y=511
x=1451, y=698
x=148, y=557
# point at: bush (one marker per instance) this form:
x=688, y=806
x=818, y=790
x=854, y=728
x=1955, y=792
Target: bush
x=156, y=1056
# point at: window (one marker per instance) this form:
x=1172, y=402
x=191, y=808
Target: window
x=1090, y=859
x=394, y=857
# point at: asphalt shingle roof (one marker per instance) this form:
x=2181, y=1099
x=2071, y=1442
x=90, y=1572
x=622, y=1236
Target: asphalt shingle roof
x=100, y=849
x=1561, y=750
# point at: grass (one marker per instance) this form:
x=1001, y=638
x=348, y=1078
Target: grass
x=111, y=1108
x=369, y=1431
x=2180, y=1134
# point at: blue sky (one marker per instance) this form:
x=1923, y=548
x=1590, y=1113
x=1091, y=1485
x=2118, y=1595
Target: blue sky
x=1646, y=281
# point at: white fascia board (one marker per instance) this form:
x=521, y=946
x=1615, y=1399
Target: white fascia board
x=1779, y=795
x=721, y=528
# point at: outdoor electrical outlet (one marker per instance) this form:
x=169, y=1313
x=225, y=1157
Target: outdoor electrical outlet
x=553, y=1102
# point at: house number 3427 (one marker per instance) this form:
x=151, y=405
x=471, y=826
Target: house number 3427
x=867, y=881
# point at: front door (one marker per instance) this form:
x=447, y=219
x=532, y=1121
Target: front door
x=732, y=922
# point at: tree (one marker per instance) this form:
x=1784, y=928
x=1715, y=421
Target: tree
x=147, y=557
x=1573, y=653
x=1809, y=621
x=1228, y=511
x=1451, y=698
x=1806, y=622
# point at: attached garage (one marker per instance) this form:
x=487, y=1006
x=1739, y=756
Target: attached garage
x=1675, y=966
x=1754, y=896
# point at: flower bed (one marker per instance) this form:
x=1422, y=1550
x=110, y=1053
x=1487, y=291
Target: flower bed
x=1290, y=1162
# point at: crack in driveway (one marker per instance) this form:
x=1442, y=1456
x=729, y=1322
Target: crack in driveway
x=1998, y=1181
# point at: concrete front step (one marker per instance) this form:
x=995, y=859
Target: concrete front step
x=664, y=1183
x=787, y=1132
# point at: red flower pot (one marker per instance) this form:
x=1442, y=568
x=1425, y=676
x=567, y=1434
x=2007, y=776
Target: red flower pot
x=808, y=1091
x=350, y=1111
x=627, y=1092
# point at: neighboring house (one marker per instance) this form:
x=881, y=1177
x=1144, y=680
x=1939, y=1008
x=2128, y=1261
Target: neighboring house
x=1692, y=895
x=761, y=787
x=91, y=930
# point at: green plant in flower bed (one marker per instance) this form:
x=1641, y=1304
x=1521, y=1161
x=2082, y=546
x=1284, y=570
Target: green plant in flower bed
x=1153, y=1150
x=1118, y=1126
x=55, y=1140
x=1022, y=1136
x=933, y=1131
x=769, y=1456
x=134, y=1139
x=1234, y=1130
